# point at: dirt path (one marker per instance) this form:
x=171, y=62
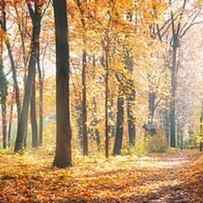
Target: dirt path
x=175, y=184
x=179, y=160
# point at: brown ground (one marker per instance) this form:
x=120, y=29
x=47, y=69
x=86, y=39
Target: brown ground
x=172, y=178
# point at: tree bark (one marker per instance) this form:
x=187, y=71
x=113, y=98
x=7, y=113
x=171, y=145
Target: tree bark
x=95, y=121
x=98, y=140
x=81, y=7
x=130, y=98
x=33, y=116
x=173, y=97
x=36, y=21
x=119, y=125
x=3, y=24
x=15, y=80
x=10, y=123
x=79, y=123
x=84, y=105
x=63, y=156
x=12, y=61
x=167, y=126
x=41, y=103
x=201, y=127
x=131, y=118
x=3, y=80
x=28, y=92
x=106, y=104
x=3, y=102
x=4, y=124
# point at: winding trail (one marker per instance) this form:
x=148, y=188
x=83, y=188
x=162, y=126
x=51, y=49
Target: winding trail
x=173, y=179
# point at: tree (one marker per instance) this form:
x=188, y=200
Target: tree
x=120, y=123
x=130, y=97
x=3, y=80
x=81, y=7
x=6, y=39
x=63, y=128
x=35, y=11
x=172, y=31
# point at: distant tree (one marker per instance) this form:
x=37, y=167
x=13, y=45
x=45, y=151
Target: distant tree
x=182, y=17
x=6, y=39
x=81, y=5
x=119, y=123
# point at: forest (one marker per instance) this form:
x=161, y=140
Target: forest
x=101, y=101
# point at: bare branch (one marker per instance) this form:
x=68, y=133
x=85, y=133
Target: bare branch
x=187, y=26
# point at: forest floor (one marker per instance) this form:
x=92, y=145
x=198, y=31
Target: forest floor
x=175, y=177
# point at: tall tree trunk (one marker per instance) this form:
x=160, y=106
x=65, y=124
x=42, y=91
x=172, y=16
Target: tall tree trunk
x=98, y=140
x=3, y=25
x=131, y=118
x=33, y=112
x=167, y=126
x=201, y=128
x=63, y=156
x=130, y=97
x=106, y=103
x=79, y=125
x=95, y=121
x=3, y=100
x=15, y=80
x=3, y=80
x=33, y=116
x=81, y=7
x=112, y=127
x=178, y=136
x=152, y=104
x=41, y=102
x=4, y=124
x=173, y=97
x=84, y=105
x=10, y=123
x=12, y=61
x=22, y=124
x=119, y=125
